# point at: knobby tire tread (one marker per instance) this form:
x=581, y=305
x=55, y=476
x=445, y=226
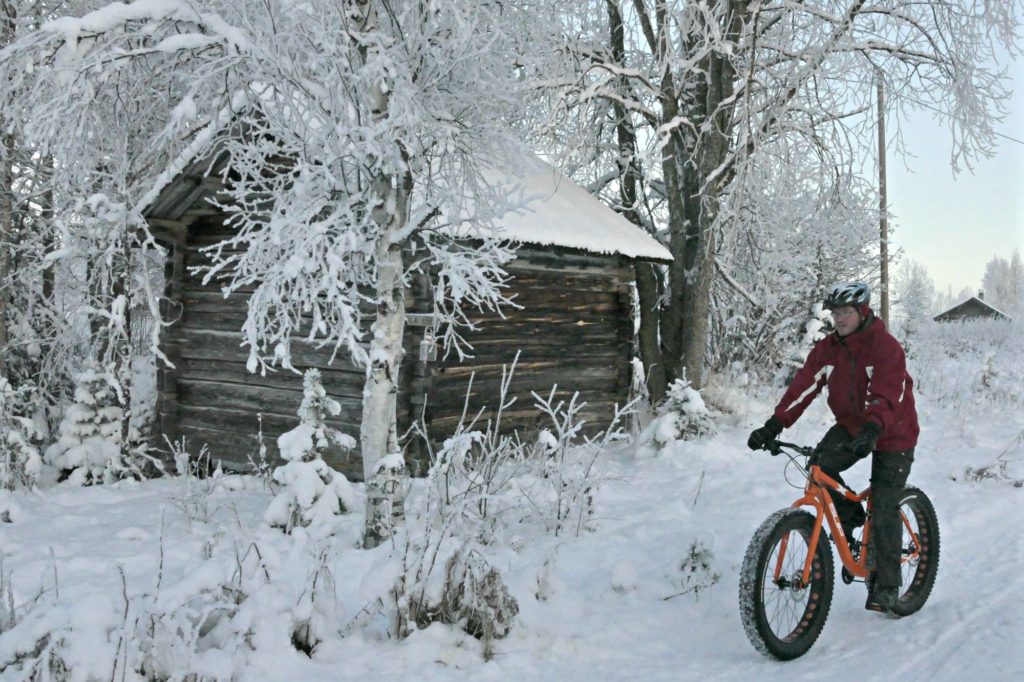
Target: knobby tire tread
x=752, y=607
x=914, y=595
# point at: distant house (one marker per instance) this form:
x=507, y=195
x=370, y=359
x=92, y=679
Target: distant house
x=572, y=279
x=972, y=309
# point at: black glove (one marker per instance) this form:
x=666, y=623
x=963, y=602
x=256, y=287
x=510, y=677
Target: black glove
x=764, y=435
x=866, y=440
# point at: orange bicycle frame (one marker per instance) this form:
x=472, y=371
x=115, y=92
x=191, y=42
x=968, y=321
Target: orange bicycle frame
x=816, y=496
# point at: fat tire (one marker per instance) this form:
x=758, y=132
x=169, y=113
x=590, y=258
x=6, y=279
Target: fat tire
x=917, y=586
x=758, y=566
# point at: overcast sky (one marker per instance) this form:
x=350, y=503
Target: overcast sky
x=956, y=225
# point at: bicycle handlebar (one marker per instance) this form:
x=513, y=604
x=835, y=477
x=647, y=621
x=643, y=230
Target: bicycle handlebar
x=775, y=448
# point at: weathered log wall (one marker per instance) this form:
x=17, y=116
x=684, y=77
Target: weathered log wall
x=215, y=400
x=573, y=329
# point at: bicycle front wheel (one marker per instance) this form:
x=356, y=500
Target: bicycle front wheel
x=782, y=615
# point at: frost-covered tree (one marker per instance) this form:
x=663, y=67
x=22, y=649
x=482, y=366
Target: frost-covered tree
x=357, y=132
x=89, y=448
x=20, y=463
x=691, y=102
x=1003, y=283
x=915, y=298
x=312, y=493
x=794, y=239
x=70, y=248
x=949, y=298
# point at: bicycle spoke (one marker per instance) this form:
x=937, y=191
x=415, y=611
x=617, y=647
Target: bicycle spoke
x=910, y=548
x=786, y=604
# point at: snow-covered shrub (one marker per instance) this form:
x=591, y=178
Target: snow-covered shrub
x=969, y=364
x=681, y=416
x=89, y=449
x=481, y=477
x=198, y=480
x=471, y=475
x=480, y=482
x=317, y=614
x=997, y=470
x=20, y=462
x=697, y=569
x=312, y=493
x=63, y=640
x=469, y=594
x=1008, y=467
x=259, y=463
x=444, y=576
x=204, y=626
x=562, y=463
x=441, y=574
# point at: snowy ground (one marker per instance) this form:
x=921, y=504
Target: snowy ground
x=607, y=610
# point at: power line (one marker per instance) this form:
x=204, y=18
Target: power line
x=939, y=111
x=1011, y=139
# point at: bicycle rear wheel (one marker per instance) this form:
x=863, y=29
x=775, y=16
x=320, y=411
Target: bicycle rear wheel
x=782, y=616
x=920, y=553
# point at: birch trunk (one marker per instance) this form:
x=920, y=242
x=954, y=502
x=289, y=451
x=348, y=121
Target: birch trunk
x=379, y=428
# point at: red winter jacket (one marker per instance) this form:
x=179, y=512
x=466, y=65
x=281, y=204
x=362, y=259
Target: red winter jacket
x=866, y=374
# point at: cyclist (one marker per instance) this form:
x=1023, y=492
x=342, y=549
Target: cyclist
x=871, y=396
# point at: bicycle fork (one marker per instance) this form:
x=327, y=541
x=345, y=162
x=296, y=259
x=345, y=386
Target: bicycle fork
x=804, y=578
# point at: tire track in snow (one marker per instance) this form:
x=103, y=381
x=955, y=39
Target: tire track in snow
x=938, y=652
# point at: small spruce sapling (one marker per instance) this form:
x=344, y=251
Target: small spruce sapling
x=681, y=416
x=89, y=449
x=312, y=493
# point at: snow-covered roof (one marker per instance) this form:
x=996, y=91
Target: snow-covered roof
x=558, y=212
x=978, y=306
x=555, y=212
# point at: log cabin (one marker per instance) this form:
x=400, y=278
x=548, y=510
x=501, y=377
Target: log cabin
x=572, y=280
x=974, y=308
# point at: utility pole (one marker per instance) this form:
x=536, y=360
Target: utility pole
x=883, y=204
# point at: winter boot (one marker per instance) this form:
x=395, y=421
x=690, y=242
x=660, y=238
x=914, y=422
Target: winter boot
x=882, y=599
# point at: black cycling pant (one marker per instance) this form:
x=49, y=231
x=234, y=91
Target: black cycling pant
x=889, y=473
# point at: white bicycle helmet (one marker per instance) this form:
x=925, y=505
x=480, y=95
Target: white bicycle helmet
x=857, y=294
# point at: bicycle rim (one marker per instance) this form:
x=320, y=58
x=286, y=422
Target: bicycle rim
x=782, y=615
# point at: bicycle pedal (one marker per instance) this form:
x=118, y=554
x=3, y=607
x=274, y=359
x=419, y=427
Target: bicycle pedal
x=849, y=578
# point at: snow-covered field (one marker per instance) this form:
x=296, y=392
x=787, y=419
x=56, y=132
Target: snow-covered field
x=650, y=593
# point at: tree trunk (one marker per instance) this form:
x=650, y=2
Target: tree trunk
x=7, y=25
x=647, y=282
x=710, y=110
x=6, y=236
x=673, y=164
x=379, y=430
x=390, y=211
x=648, y=291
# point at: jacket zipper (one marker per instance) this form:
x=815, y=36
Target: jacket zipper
x=853, y=381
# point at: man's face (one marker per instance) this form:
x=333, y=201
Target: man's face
x=847, y=319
